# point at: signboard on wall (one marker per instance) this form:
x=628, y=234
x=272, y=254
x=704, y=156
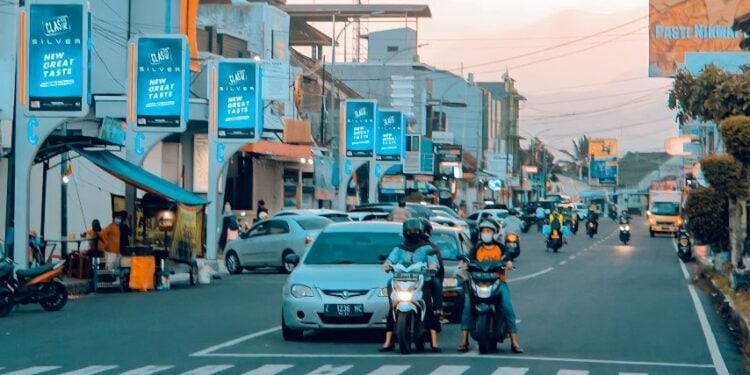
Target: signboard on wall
x=359, y=121
x=500, y=164
x=235, y=100
x=395, y=184
x=55, y=65
x=680, y=28
x=603, y=161
x=390, y=136
x=160, y=83
x=448, y=153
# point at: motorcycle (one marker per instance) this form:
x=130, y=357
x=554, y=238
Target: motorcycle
x=408, y=306
x=684, y=246
x=35, y=285
x=554, y=240
x=625, y=233
x=488, y=326
x=592, y=227
x=574, y=223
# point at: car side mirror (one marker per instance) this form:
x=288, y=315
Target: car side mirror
x=292, y=258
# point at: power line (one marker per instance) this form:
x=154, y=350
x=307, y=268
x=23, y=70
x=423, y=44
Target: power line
x=597, y=97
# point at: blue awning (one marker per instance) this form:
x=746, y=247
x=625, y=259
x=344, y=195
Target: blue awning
x=140, y=178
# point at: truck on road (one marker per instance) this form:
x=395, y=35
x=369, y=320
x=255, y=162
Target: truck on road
x=664, y=211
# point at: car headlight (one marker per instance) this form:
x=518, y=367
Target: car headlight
x=450, y=282
x=300, y=291
x=404, y=296
x=383, y=292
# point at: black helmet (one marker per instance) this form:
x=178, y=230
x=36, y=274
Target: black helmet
x=427, y=228
x=413, y=230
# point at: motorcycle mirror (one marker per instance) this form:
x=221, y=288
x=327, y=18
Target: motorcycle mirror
x=382, y=258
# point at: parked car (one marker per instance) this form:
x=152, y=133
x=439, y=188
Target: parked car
x=452, y=243
x=452, y=223
x=268, y=242
x=444, y=211
x=367, y=215
x=339, y=282
x=333, y=215
x=416, y=209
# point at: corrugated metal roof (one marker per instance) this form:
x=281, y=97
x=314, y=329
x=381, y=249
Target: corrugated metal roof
x=635, y=166
x=325, y=12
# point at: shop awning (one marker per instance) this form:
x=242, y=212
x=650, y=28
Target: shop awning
x=279, y=150
x=140, y=178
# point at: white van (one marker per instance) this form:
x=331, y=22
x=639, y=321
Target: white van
x=581, y=208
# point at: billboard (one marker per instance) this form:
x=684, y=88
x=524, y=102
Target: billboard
x=236, y=100
x=603, y=161
x=359, y=121
x=160, y=83
x=56, y=54
x=390, y=137
x=679, y=28
x=500, y=164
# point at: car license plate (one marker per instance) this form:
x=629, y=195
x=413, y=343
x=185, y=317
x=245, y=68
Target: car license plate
x=666, y=228
x=344, y=310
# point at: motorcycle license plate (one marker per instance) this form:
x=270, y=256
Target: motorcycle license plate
x=344, y=310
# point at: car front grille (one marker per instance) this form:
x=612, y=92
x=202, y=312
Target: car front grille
x=345, y=294
x=664, y=223
x=364, y=319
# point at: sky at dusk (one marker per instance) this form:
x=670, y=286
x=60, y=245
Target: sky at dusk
x=581, y=64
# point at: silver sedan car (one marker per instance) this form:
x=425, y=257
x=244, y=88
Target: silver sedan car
x=339, y=283
x=268, y=242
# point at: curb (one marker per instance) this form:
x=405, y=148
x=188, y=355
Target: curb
x=736, y=322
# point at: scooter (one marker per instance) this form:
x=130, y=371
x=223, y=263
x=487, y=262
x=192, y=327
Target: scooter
x=625, y=233
x=408, y=306
x=35, y=285
x=684, y=246
x=592, y=227
x=554, y=240
x=513, y=243
x=488, y=326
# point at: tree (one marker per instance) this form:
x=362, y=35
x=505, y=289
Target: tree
x=707, y=212
x=721, y=97
x=578, y=158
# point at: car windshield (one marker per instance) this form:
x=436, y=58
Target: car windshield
x=665, y=208
x=448, y=245
x=352, y=248
x=337, y=218
x=442, y=210
x=313, y=223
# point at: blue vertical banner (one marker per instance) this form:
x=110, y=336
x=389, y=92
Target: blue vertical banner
x=54, y=66
x=390, y=136
x=238, y=102
x=361, y=116
x=161, y=76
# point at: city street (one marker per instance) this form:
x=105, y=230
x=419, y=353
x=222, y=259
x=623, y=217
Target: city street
x=597, y=307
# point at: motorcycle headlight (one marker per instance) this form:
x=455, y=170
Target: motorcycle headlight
x=627, y=227
x=683, y=241
x=483, y=290
x=404, y=296
x=383, y=292
x=450, y=282
x=301, y=291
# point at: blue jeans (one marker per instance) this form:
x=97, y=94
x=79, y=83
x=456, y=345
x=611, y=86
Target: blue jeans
x=505, y=304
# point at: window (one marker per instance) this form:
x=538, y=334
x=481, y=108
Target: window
x=313, y=223
x=446, y=242
x=392, y=48
x=278, y=227
x=260, y=229
x=352, y=248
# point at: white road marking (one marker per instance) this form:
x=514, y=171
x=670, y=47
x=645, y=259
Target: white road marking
x=90, y=370
x=632, y=373
x=235, y=341
x=450, y=370
x=147, y=370
x=572, y=257
x=572, y=372
x=713, y=347
x=330, y=370
x=389, y=370
x=269, y=370
x=473, y=355
x=563, y=262
x=208, y=370
x=510, y=371
x=533, y=275
x=33, y=370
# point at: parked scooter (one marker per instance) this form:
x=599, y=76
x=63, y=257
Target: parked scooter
x=488, y=326
x=408, y=306
x=35, y=285
x=684, y=246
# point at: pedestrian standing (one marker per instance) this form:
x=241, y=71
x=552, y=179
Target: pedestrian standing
x=261, y=209
x=400, y=213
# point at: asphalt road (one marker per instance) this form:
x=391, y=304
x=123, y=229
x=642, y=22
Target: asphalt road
x=597, y=307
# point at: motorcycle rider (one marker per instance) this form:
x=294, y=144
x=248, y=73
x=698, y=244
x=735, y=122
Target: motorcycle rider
x=490, y=250
x=413, y=250
x=437, y=281
x=539, y=217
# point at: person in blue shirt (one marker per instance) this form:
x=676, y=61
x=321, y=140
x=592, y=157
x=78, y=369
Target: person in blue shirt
x=413, y=250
